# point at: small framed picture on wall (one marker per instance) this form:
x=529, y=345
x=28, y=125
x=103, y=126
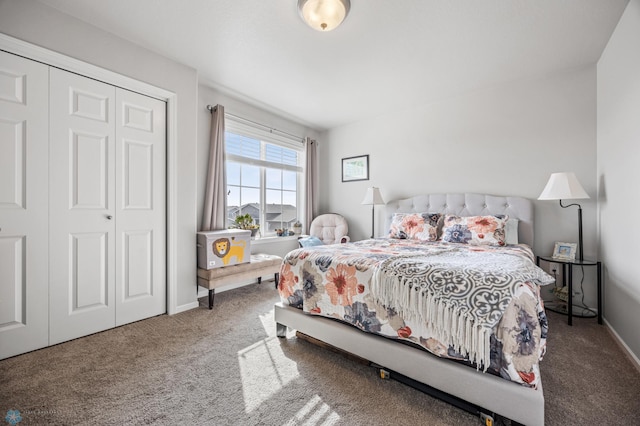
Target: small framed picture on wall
x=565, y=251
x=355, y=168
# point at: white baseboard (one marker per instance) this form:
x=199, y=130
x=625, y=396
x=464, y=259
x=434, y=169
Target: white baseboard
x=203, y=292
x=634, y=359
x=185, y=307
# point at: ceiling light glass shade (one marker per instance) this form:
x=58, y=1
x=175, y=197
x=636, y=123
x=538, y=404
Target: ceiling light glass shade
x=563, y=186
x=373, y=196
x=323, y=15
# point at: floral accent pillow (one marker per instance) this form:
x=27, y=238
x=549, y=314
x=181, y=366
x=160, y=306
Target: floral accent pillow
x=415, y=226
x=475, y=230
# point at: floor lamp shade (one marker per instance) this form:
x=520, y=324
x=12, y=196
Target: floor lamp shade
x=373, y=198
x=565, y=186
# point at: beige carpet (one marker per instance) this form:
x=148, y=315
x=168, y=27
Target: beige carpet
x=226, y=367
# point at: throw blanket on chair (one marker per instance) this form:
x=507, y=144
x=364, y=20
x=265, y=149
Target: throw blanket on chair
x=460, y=293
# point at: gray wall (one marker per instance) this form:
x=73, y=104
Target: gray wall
x=41, y=25
x=505, y=140
x=619, y=175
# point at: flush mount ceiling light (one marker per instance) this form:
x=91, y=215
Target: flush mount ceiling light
x=323, y=15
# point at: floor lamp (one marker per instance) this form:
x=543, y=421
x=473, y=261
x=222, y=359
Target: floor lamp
x=374, y=198
x=565, y=186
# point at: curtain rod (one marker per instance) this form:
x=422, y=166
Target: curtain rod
x=270, y=129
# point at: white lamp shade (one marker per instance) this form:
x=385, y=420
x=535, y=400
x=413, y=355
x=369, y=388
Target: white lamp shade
x=373, y=196
x=563, y=186
x=323, y=15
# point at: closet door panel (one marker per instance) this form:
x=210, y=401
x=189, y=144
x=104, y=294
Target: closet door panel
x=23, y=205
x=89, y=271
x=140, y=207
x=82, y=206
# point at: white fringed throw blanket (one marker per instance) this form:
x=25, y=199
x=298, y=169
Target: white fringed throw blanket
x=460, y=293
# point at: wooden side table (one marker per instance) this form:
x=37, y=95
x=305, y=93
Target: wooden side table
x=567, y=279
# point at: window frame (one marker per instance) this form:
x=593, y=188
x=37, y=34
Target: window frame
x=266, y=135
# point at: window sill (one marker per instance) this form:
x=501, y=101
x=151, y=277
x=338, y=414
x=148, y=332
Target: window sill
x=271, y=240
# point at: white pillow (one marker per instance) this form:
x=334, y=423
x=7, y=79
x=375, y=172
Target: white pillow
x=511, y=231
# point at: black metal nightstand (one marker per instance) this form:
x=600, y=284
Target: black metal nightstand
x=567, y=279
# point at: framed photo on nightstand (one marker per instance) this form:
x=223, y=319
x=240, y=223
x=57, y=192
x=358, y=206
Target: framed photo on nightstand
x=565, y=251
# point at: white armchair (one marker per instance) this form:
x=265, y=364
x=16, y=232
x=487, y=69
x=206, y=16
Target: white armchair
x=330, y=228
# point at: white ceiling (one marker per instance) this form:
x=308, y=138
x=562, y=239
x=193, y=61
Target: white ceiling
x=388, y=54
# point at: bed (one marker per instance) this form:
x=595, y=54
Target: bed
x=473, y=298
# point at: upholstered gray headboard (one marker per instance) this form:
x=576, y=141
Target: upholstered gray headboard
x=468, y=205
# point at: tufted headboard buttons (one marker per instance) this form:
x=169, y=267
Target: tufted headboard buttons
x=469, y=204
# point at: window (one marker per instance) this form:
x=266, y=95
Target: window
x=263, y=177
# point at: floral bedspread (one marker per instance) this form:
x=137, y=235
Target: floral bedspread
x=338, y=281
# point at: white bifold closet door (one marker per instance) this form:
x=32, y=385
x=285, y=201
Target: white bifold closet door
x=24, y=163
x=107, y=206
x=141, y=275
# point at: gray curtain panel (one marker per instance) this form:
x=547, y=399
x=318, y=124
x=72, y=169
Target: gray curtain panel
x=215, y=198
x=311, y=180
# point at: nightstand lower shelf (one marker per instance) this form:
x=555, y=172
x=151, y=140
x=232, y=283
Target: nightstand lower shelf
x=567, y=279
x=576, y=310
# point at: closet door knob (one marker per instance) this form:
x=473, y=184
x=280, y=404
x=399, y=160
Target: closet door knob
x=109, y=217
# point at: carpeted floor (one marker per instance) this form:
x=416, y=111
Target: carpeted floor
x=226, y=367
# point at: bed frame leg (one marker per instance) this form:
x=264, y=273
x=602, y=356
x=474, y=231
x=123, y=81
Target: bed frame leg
x=281, y=330
x=493, y=419
x=486, y=417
